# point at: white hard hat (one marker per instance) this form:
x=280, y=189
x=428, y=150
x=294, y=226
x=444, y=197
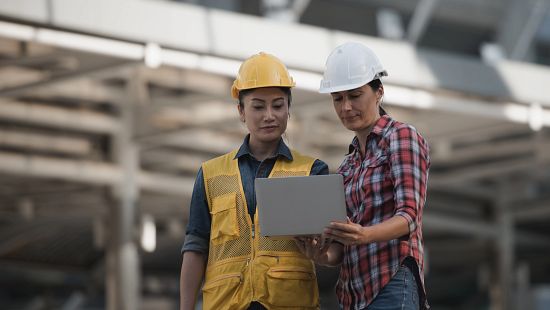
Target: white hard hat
x=350, y=65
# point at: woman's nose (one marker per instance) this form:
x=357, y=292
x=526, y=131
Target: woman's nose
x=346, y=105
x=268, y=114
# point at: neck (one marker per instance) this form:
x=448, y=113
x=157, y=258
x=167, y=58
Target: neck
x=362, y=137
x=262, y=150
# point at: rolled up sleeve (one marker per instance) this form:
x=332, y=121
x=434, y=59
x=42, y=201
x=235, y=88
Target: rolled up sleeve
x=409, y=160
x=195, y=244
x=198, y=228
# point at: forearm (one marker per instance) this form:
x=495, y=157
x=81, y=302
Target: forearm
x=192, y=273
x=393, y=228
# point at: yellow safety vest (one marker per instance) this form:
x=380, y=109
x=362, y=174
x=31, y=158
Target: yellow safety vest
x=243, y=266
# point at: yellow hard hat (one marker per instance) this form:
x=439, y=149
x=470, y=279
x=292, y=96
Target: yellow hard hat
x=261, y=70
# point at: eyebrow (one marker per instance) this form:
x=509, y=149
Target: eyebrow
x=262, y=100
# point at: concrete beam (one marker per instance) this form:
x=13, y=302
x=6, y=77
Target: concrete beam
x=539, y=211
x=82, y=89
x=12, y=76
x=479, y=229
x=480, y=171
x=45, y=142
x=196, y=139
x=202, y=114
x=21, y=89
x=470, y=227
x=214, y=34
x=487, y=150
x=44, y=115
x=169, y=160
x=97, y=173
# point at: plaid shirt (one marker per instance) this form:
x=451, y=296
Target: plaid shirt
x=391, y=180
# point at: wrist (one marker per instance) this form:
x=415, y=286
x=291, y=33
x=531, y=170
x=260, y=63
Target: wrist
x=366, y=233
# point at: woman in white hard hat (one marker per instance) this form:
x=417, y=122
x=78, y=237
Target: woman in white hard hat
x=241, y=269
x=380, y=247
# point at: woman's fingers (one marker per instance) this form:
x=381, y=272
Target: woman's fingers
x=345, y=237
x=343, y=226
x=305, y=245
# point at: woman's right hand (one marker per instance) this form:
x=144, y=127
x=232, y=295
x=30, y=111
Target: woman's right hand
x=314, y=248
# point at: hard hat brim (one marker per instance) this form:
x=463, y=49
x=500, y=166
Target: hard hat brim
x=328, y=90
x=335, y=89
x=235, y=91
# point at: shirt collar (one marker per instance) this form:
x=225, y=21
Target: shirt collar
x=380, y=127
x=282, y=149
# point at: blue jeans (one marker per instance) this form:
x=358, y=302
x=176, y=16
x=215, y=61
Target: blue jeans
x=401, y=293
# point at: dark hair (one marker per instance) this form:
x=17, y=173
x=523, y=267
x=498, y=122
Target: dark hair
x=245, y=92
x=375, y=85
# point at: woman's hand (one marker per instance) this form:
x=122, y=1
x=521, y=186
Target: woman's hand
x=347, y=233
x=314, y=248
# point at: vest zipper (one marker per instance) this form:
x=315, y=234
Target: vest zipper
x=249, y=261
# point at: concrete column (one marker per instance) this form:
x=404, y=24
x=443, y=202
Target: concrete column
x=123, y=268
x=522, y=275
x=502, y=289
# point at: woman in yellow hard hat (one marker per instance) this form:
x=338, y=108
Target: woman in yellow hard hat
x=380, y=247
x=241, y=269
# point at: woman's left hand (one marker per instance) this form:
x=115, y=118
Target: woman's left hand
x=347, y=233
x=314, y=248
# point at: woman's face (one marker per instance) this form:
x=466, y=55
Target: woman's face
x=265, y=113
x=358, y=108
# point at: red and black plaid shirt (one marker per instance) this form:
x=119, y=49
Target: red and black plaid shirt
x=390, y=180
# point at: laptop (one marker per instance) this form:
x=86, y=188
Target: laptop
x=298, y=206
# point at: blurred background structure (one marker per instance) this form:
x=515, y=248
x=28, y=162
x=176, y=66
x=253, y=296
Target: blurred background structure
x=107, y=109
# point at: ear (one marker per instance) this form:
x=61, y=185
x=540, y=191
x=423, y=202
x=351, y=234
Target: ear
x=380, y=93
x=241, y=112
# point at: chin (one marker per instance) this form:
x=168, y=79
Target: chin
x=269, y=138
x=351, y=127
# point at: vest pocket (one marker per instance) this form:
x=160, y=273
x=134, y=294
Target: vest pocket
x=292, y=287
x=224, y=218
x=221, y=292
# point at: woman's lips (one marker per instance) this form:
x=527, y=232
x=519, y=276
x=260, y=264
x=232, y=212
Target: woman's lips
x=349, y=118
x=269, y=127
